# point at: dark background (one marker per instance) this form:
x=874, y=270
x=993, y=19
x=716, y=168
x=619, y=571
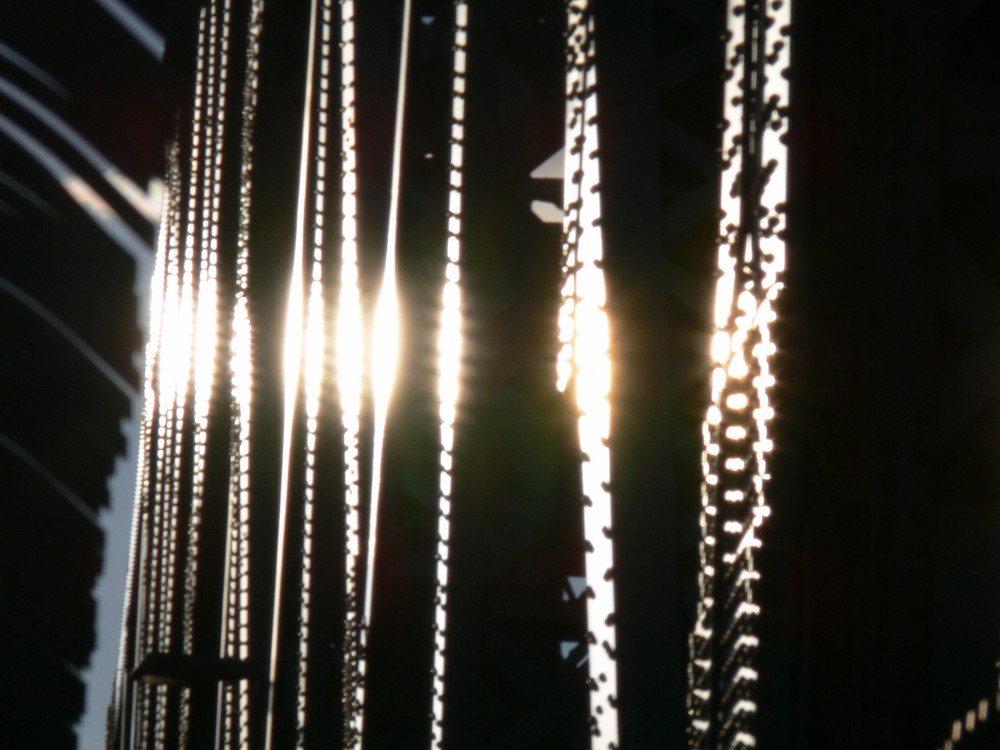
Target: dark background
x=880, y=569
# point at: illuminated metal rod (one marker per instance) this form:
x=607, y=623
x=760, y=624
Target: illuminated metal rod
x=206, y=320
x=736, y=442
x=206, y=323
x=232, y=717
x=584, y=328
x=201, y=251
x=245, y=346
x=385, y=355
x=966, y=726
x=137, y=714
x=293, y=356
x=350, y=373
x=120, y=715
x=313, y=361
x=174, y=390
x=152, y=546
x=449, y=369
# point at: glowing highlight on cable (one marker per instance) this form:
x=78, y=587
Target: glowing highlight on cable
x=584, y=363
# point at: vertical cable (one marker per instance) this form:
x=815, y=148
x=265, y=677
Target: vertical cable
x=701, y=661
x=233, y=729
x=585, y=364
x=150, y=547
x=206, y=319
x=173, y=385
x=350, y=356
x=203, y=328
x=722, y=675
x=449, y=368
x=293, y=362
x=180, y=373
x=385, y=353
x=314, y=346
x=127, y=639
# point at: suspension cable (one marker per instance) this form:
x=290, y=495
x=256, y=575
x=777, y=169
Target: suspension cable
x=233, y=709
x=314, y=350
x=965, y=727
x=449, y=351
x=350, y=368
x=385, y=354
x=722, y=675
x=293, y=355
x=120, y=720
x=584, y=363
x=205, y=323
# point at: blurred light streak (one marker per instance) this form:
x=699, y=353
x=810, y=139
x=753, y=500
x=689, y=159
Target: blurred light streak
x=84, y=195
x=67, y=333
x=28, y=194
x=51, y=479
x=136, y=25
x=35, y=71
x=147, y=206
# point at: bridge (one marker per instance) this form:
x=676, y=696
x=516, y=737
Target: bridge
x=473, y=415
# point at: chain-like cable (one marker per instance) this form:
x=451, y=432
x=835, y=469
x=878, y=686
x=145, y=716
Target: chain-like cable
x=174, y=385
x=198, y=241
x=963, y=730
x=584, y=364
x=295, y=346
x=206, y=320
x=314, y=349
x=234, y=703
x=350, y=357
x=384, y=362
x=722, y=675
x=150, y=548
x=117, y=721
x=449, y=351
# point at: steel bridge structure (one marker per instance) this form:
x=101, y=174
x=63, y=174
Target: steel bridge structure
x=533, y=374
